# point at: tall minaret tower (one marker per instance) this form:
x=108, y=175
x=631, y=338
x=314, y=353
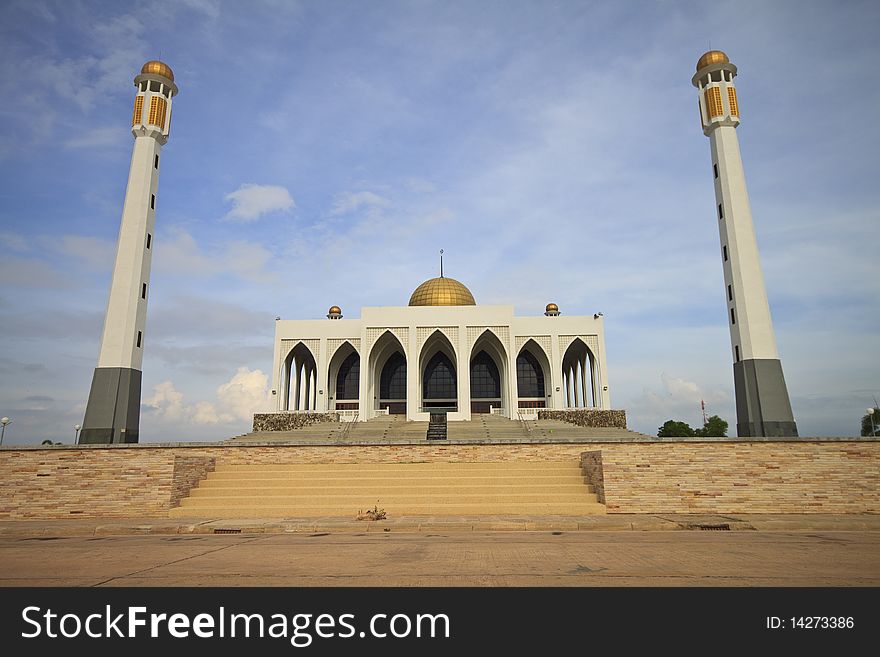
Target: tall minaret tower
x=113, y=411
x=762, y=404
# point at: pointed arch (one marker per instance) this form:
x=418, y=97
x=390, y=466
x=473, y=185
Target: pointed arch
x=481, y=372
x=580, y=376
x=343, y=377
x=387, y=374
x=438, y=372
x=299, y=373
x=534, y=378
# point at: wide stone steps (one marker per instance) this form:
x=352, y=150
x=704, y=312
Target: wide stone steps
x=341, y=490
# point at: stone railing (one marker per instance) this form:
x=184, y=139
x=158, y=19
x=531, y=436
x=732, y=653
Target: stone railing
x=586, y=417
x=290, y=421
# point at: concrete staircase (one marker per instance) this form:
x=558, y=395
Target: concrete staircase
x=429, y=489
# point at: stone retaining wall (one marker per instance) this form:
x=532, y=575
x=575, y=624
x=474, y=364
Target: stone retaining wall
x=587, y=417
x=650, y=477
x=290, y=421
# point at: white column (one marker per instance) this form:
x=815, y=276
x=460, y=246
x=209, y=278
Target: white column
x=587, y=399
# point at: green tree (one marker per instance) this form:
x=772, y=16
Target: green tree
x=675, y=429
x=866, y=423
x=715, y=427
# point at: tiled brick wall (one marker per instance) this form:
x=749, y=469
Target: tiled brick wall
x=738, y=477
x=651, y=477
x=188, y=472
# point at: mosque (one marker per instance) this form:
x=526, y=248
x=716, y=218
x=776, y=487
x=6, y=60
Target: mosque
x=442, y=351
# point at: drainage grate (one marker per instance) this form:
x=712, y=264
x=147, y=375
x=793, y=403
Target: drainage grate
x=714, y=528
x=227, y=531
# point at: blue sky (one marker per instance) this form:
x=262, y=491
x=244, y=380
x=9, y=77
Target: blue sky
x=323, y=152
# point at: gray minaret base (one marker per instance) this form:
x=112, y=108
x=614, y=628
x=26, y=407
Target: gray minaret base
x=114, y=409
x=762, y=405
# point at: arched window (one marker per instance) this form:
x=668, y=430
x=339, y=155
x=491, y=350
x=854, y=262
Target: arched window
x=439, y=381
x=348, y=378
x=529, y=376
x=392, y=384
x=485, y=380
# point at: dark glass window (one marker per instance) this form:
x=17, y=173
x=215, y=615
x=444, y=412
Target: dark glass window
x=725, y=253
x=143, y=290
x=720, y=211
x=732, y=317
x=715, y=168
x=149, y=240
x=156, y=162
x=485, y=381
x=152, y=201
x=730, y=293
x=140, y=336
x=348, y=378
x=529, y=376
x=439, y=382
x=736, y=348
x=392, y=384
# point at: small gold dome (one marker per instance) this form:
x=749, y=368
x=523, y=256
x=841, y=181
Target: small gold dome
x=334, y=310
x=712, y=57
x=158, y=68
x=442, y=292
x=552, y=308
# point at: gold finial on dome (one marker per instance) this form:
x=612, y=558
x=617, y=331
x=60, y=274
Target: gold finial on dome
x=442, y=291
x=551, y=307
x=158, y=68
x=335, y=310
x=712, y=57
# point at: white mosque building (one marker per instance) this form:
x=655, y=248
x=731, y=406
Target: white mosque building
x=441, y=351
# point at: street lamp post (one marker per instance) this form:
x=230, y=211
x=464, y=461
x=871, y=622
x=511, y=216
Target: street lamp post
x=870, y=419
x=4, y=421
x=76, y=428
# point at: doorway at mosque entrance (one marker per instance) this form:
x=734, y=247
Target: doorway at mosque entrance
x=392, y=385
x=439, y=386
x=485, y=384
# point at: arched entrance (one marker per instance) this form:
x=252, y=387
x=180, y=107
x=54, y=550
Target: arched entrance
x=439, y=383
x=299, y=378
x=386, y=379
x=488, y=375
x=392, y=385
x=345, y=375
x=532, y=380
x=580, y=376
x=485, y=384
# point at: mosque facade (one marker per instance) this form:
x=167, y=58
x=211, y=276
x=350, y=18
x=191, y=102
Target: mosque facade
x=442, y=351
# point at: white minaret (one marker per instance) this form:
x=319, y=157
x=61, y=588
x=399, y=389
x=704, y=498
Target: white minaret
x=113, y=411
x=762, y=404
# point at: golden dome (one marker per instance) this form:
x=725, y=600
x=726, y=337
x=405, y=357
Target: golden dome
x=442, y=292
x=334, y=310
x=712, y=57
x=158, y=68
x=552, y=308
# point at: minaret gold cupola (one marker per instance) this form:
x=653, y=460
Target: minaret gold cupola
x=152, y=105
x=717, y=101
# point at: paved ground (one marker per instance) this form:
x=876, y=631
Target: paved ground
x=792, y=551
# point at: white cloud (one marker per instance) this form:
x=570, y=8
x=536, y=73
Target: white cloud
x=182, y=254
x=246, y=393
x=250, y=202
x=353, y=201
